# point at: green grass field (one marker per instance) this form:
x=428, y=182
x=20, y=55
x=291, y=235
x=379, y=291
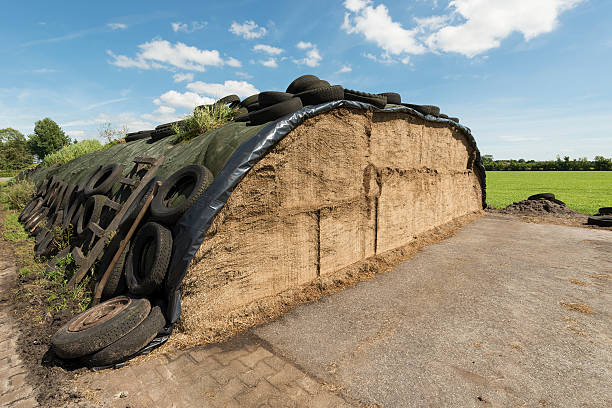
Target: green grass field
x=583, y=191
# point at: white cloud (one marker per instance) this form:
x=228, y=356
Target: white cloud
x=182, y=100
x=44, y=71
x=240, y=88
x=183, y=76
x=471, y=27
x=270, y=62
x=488, y=22
x=163, y=114
x=75, y=133
x=97, y=105
x=312, y=58
x=188, y=28
x=268, y=49
x=163, y=54
x=244, y=75
x=117, y=26
x=248, y=30
x=344, y=69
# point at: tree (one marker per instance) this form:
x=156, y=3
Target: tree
x=48, y=137
x=109, y=133
x=14, y=154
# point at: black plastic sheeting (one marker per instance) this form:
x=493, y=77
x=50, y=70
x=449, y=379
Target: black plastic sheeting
x=190, y=230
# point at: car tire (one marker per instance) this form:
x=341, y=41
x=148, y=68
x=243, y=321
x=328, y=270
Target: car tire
x=375, y=100
x=275, y=112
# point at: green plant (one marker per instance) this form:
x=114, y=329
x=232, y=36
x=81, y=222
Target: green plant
x=71, y=152
x=48, y=137
x=202, y=120
x=13, y=230
x=16, y=195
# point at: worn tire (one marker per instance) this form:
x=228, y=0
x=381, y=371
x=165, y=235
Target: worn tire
x=139, y=202
x=162, y=133
x=147, y=262
x=92, y=210
x=229, y=99
x=37, y=219
x=132, y=342
x=67, y=197
x=115, y=285
x=605, y=211
x=392, y=97
x=143, y=134
x=600, y=220
x=190, y=182
x=373, y=99
x=270, y=98
x=321, y=95
x=301, y=83
x=424, y=109
x=104, y=179
x=542, y=196
x=58, y=196
x=42, y=247
x=276, y=111
x=246, y=102
x=36, y=201
x=99, y=326
x=456, y=120
x=254, y=107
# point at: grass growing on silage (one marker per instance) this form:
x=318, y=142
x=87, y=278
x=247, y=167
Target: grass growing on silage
x=71, y=152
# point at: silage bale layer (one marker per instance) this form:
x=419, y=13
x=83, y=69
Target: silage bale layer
x=342, y=189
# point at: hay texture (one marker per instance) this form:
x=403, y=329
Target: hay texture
x=343, y=189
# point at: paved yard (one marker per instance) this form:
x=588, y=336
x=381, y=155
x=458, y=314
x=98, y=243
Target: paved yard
x=503, y=314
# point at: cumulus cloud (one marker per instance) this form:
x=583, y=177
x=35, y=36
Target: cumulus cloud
x=344, y=69
x=117, y=26
x=248, y=30
x=188, y=28
x=162, y=114
x=312, y=58
x=268, y=49
x=270, y=62
x=240, y=88
x=177, y=99
x=471, y=27
x=183, y=76
x=157, y=54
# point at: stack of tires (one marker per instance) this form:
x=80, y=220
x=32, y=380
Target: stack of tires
x=132, y=313
x=603, y=218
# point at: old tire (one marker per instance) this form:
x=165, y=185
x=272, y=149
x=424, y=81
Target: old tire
x=179, y=192
x=392, y=98
x=229, y=99
x=115, y=285
x=147, y=262
x=605, y=211
x=542, y=196
x=143, y=134
x=270, y=98
x=424, y=109
x=35, y=203
x=139, y=202
x=600, y=220
x=301, y=83
x=67, y=197
x=99, y=326
x=132, y=342
x=373, y=99
x=321, y=95
x=162, y=133
x=246, y=102
x=104, y=179
x=276, y=111
x=92, y=211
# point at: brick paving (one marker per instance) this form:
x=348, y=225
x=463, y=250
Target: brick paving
x=240, y=373
x=14, y=390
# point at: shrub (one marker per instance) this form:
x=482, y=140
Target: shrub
x=15, y=195
x=202, y=120
x=71, y=152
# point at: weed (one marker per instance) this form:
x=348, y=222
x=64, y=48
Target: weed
x=13, y=230
x=202, y=120
x=71, y=152
x=16, y=195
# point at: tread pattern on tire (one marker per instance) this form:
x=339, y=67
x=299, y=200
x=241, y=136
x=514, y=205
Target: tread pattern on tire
x=276, y=111
x=141, y=280
x=373, y=99
x=299, y=84
x=321, y=95
x=392, y=97
x=424, y=109
x=104, y=179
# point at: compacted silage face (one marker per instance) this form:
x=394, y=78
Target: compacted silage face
x=342, y=187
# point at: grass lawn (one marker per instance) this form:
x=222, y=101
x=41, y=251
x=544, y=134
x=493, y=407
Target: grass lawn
x=583, y=191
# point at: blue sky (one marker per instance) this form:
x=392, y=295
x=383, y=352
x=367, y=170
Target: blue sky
x=531, y=78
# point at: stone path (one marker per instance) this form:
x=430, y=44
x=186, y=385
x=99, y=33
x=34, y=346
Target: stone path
x=239, y=373
x=14, y=390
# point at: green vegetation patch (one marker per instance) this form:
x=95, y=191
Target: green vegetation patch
x=13, y=230
x=71, y=152
x=584, y=191
x=15, y=195
x=202, y=120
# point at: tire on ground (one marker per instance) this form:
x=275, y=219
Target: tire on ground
x=147, y=262
x=605, y=211
x=132, y=342
x=115, y=285
x=99, y=326
x=139, y=202
x=600, y=220
x=92, y=210
x=178, y=192
x=102, y=182
x=542, y=196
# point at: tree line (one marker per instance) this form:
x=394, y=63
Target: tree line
x=600, y=163
x=18, y=152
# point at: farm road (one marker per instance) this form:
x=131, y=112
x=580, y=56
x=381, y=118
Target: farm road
x=505, y=313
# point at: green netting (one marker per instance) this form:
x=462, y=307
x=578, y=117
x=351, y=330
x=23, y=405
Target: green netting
x=211, y=149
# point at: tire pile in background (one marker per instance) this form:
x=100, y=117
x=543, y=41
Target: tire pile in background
x=132, y=314
x=303, y=91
